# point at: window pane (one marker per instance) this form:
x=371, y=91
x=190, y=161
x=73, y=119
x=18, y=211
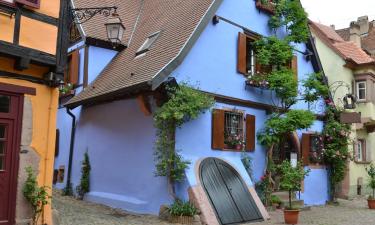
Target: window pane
x=2, y=131
x=362, y=94
x=361, y=85
x=2, y=164
x=2, y=150
x=4, y=103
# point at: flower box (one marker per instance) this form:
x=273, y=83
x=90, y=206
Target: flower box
x=181, y=219
x=268, y=7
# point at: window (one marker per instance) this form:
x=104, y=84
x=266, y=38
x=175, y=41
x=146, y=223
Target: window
x=361, y=151
x=232, y=130
x=250, y=58
x=61, y=174
x=361, y=90
x=312, y=149
x=147, y=44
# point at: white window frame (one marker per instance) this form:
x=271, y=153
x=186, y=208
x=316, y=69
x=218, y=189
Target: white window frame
x=147, y=44
x=360, y=145
x=363, y=88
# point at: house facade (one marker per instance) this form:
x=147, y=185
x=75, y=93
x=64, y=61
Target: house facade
x=350, y=71
x=30, y=68
x=204, y=44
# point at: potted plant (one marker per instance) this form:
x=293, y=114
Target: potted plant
x=182, y=212
x=276, y=201
x=234, y=141
x=371, y=183
x=291, y=179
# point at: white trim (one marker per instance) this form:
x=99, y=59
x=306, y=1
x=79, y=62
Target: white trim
x=358, y=89
x=79, y=26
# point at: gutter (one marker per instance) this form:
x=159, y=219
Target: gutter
x=71, y=150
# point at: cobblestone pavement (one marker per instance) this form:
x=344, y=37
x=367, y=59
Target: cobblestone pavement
x=74, y=212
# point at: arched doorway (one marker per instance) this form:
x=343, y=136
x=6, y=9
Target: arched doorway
x=227, y=192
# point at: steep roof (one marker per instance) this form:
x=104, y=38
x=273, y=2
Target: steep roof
x=367, y=41
x=346, y=49
x=179, y=22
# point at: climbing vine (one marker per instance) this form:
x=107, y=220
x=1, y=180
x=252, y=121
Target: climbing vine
x=184, y=104
x=84, y=186
x=276, y=54
x=336, y=152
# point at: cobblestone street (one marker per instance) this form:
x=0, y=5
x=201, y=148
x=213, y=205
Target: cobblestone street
x=74, y=212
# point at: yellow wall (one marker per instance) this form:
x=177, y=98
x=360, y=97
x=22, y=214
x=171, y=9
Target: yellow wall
x=44, y=111
x=7, y=28
x=49, y=7
x=38, y=35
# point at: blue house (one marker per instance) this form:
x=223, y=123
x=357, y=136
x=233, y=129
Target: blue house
x=117, y=89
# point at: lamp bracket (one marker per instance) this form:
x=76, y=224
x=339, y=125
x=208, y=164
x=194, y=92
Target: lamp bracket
x=82, y=15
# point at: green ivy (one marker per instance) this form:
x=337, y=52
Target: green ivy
x=180, y=208
x=371, y=181
x=37, y=196
x=185, y=103
x=284, y=83
x=315, y=88
x=290, y=14
x=273, y=51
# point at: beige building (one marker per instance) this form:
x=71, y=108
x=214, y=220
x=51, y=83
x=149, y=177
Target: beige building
x=350, y=70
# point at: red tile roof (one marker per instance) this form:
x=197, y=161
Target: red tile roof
x=346, y=49
x=179, y=22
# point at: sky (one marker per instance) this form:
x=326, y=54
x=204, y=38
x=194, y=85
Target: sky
x=339, y=12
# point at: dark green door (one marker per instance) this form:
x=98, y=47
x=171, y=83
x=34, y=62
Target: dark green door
x=228, y=194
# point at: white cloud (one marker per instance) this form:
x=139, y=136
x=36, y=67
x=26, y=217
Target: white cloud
x=338, y=12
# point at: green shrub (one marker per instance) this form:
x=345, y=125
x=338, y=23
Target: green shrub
x=371, y=183
x=84, y=186
x=275, y=199
x=35, y=195
x=181, y=208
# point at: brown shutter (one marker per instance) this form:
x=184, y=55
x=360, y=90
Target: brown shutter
x=32, y=3
x=250, y=133
x=74, y=67
x=305, y=148
x=294, y=67
x=218, y=129
x=241, y=51
x=57, y=142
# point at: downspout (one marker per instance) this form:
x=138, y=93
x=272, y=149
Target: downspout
x=71, y=151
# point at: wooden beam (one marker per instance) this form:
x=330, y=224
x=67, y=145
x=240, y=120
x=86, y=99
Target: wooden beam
x=86, y=67
x=20, y=52
x=30, y=78
x=144, y=104
x=17, y=89
x=39, y=16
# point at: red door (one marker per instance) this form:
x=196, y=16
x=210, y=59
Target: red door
x=10, y=114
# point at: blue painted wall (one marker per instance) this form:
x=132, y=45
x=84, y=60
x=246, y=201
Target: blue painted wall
x=212, y=65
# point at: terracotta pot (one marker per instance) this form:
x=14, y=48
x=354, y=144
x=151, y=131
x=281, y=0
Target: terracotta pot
x=291, y=216
x=371, y=203
x=181, y=219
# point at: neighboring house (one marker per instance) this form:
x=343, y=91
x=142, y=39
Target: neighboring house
x=350, y=71
x=206, y=43
x=30, y=68
x=361, y=32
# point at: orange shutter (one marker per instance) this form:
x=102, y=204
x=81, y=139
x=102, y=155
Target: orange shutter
x=218, y=129
x=294, y=67
x=32, y=3
x=250, y=133
x=305, y=148
x=241, y=51
x=74, y=68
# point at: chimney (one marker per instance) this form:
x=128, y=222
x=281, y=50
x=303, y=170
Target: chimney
x=355, y=35
x=364, y=25
x=333, y=26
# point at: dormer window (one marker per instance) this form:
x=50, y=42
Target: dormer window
x=147, y=44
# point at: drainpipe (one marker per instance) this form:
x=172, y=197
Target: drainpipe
x=71, y=149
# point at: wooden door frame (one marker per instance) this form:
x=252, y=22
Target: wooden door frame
x=16, y=114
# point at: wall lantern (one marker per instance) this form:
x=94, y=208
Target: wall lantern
x=349, y=101
x=115, y=28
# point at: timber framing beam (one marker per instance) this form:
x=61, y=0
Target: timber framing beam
x=30, y=14
x=20, y=52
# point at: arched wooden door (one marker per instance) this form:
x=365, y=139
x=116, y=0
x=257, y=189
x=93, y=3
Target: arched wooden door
x=227, y=192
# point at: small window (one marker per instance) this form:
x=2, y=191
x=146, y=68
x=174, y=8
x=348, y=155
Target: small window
x=233, y=130
x=361, y=90
x=316, y=149
x=250, y=58
x=361, y=152
x=147, y=44
x=61, y=174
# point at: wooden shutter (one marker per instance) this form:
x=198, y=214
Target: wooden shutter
x=355, y=150
x=250, y=133
x=368, y=151
x=32, y=3
x=74, y=68
x=218, y=129
x=305, y=148
x=241, y=51
x=294, y=67
x=57, y=142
